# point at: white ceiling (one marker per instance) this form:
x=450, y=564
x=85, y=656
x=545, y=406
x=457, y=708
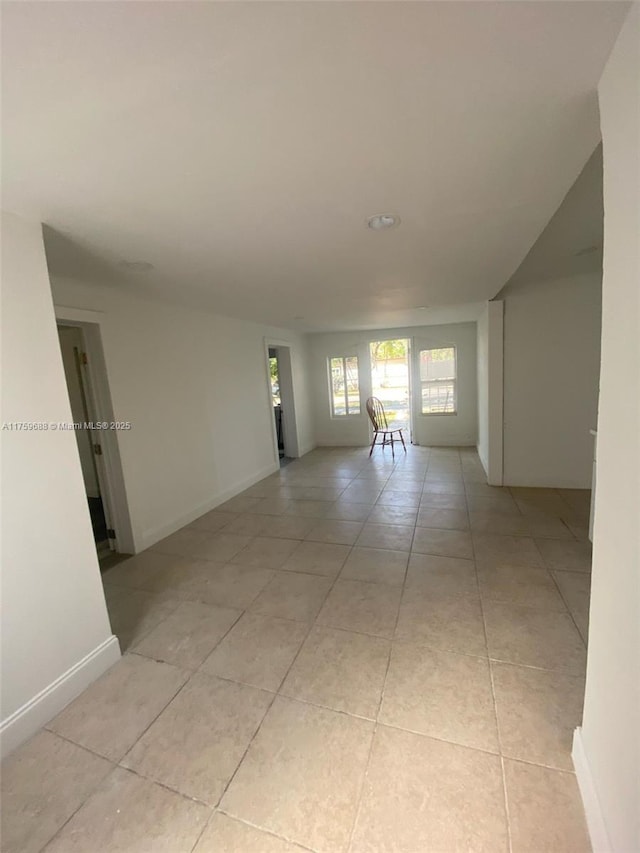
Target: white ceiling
x=240, y=147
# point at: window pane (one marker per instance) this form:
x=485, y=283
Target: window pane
x=275, y=381
x=437, y=364
x=339, y=405
x=438, y=397
x=353, y=385
x=345, y=386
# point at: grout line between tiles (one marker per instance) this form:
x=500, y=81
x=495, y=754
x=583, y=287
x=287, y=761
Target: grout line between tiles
x=266, y=831
x=82, y=804
x=152, y=780
x=569, y=609
x=275, y=696
x=377, y=715
x=77, y=745
x=495, y=708
x=95, y=792
x=204, y=829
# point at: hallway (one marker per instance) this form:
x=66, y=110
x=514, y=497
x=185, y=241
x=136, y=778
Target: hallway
x=353, y=655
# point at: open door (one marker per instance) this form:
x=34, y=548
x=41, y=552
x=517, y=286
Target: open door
x=274, y=373
x=391, y=381
x=281, y=398
x=89, y=441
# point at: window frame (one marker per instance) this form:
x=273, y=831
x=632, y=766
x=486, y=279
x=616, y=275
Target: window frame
x=432, y=382
x=347, y=413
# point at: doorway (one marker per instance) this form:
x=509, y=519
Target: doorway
x=281, y=400
x=74, y=360
x=391, y=380
x=274, y=374
x=98, y=451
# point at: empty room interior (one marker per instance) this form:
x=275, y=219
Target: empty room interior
x=320, y=427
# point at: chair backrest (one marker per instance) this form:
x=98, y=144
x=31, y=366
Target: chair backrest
x=375, y=410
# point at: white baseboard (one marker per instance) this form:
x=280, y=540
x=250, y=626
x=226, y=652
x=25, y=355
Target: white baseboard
x=323, y=445
x=593, y=812
x=26, y=721
x=150, y=537
x=459, y=441
x=350, y=444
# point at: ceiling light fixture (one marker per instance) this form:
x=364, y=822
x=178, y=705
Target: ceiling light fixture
x=383, y=221
x=136, y=266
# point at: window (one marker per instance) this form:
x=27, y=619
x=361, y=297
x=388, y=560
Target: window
x=345, y=386
x=438, y=381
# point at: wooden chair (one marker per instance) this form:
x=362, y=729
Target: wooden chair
x=378, y=418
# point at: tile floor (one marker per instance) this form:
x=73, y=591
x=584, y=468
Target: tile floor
x=353, y=655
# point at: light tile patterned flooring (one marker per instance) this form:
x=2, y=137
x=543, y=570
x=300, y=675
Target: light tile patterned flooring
x=353, y=655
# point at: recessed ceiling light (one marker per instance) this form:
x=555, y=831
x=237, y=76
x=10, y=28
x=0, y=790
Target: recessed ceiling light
x=422, y=307
x=383, y=221
x=136, y=266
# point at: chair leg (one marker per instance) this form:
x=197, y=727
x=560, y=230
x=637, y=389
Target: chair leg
x=393, y=453
x=375, y=435
x=402, y=440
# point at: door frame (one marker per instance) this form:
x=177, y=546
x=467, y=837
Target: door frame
x=412, y=414
x=109, y=465
x=287, y=398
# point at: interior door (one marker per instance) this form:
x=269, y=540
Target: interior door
x=90, y=441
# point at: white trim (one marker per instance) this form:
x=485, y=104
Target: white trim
x=495, y=454
x=78, y=315
x=592, y=809
x=150, y=537
x=45, y=705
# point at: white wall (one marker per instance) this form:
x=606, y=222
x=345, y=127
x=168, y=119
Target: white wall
x=195, y=387
x=490, y=341
x=551, y=367
x=458, y=429
x=55, y=631
x=607, y=748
